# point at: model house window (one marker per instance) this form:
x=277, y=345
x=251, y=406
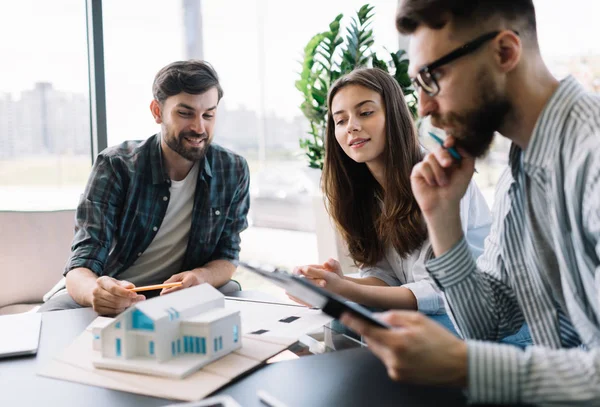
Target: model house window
x=139, y=320
x=194, y=344
x=178, y=345
x=220, y=342
x=118, y=325
x=151, y=346
x=173, y=313
x=235, y=333
x=215, y=344
x=173, y=348
x=118, y=345
x=197, y=344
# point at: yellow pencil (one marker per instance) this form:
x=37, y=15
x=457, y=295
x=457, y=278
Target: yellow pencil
x=155, y=287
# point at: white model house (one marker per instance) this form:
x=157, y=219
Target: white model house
x=172, y=335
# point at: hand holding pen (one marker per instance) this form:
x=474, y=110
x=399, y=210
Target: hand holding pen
x=438, y=183
x=451, y=150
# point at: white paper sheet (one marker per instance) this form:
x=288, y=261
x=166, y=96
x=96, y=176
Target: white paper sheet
x=268, y=316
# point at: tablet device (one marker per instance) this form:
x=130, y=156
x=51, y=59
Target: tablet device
x=19, y=334
x=301, y=288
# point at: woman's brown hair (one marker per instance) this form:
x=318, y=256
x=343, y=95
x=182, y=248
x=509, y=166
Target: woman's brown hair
x=351, y=191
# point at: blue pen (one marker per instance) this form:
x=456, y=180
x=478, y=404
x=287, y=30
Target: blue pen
x=451, y=150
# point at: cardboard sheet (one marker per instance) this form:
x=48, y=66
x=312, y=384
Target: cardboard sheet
x=76, y=362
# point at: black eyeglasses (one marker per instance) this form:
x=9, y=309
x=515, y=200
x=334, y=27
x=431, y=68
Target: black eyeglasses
x=425, y=78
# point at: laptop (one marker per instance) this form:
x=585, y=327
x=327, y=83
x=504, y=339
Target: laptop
x=19, y=334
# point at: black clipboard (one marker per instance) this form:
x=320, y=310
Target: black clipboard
x=301, y=288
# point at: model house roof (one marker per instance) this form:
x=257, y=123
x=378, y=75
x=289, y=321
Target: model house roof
x=179, y=301
x=210, y=316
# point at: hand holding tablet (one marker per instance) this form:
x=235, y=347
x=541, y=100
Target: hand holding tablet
x=309, y=293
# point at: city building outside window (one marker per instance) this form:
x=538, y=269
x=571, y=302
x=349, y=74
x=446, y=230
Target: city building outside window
x=44, y=104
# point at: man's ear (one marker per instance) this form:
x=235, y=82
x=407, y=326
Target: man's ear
x=509, y=49
x=156, y=110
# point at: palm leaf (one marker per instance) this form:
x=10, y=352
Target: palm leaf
x=378, y=63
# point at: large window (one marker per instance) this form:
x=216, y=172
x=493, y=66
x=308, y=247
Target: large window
x=572, y=49
x=140, y=37
x=44, y=105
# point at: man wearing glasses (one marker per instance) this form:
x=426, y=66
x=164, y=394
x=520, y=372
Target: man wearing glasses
x=478, y=69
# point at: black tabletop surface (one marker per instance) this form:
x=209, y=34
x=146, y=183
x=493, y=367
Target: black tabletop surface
x=352, y=377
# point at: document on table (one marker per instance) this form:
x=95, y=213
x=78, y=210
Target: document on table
x=279, y=320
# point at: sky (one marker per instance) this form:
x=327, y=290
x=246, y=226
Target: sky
x=46, y=41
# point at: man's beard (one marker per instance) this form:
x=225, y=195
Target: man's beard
x=190, y=153
x=474, y=130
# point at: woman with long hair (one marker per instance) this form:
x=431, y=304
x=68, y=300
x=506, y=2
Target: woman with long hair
x=371, y=147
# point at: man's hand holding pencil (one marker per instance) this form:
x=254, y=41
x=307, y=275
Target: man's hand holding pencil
x=182, y=280
x=111, y=296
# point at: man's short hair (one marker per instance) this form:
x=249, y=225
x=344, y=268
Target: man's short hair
x=437, y=13
x=193, y=76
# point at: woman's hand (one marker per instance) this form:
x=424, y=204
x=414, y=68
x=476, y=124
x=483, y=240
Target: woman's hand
x=329, y=275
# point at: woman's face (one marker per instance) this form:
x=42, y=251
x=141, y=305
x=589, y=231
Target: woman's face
x=359, y=120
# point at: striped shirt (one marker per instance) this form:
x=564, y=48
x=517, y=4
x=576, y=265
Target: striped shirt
x=126, y=199
x=548, y=199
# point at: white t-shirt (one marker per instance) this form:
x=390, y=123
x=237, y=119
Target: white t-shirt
x=410, y=271
x=164, y=256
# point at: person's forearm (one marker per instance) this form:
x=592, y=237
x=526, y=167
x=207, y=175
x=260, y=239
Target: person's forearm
x=378, y=296
x=479, y=314
x=444, y=229
x=216, y=272
x=372, y=281
x=80, y=284
x=505, y=374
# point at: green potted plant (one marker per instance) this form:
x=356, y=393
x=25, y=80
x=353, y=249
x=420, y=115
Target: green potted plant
x=327, y=56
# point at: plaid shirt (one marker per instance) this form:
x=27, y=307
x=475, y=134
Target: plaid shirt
x=126, y=199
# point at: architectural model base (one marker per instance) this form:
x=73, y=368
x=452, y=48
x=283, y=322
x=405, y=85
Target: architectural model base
x=177, y=368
